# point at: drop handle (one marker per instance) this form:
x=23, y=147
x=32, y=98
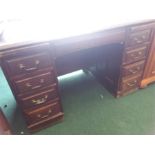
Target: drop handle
x=136, y=57
x=138, y=40
x=132, y=83
x=46, y=115
x=40, y=101
x=133, y=71
x=28, y=84
x=35, y=67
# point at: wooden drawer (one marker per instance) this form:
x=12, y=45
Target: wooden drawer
x=142, y=27
x=133, y=69
x=139, y=37
x=45, y=112
x=130, y=84
x=27, y=64
x=135, y=55
x=42, y=98
x=35, y=82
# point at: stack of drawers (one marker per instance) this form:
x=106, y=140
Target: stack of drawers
x=31, y=75
x=137, y=45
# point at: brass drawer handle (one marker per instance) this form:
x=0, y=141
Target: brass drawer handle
x=40, y=101
x=134, y=71
x=136, y=57
x=22, y=67
x=44, y=116
x=138, y=40
x=153, y=72
x=143, y=37
x=28, y=84
x=132, y=83
x=36, y=87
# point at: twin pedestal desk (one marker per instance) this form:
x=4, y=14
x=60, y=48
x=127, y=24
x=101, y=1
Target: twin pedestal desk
x=121, y=58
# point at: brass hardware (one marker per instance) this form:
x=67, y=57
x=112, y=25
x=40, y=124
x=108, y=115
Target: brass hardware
x=42, y=80
x=21, y=66
x=134, y=71
x=153, y=72
x=40, y=101
x=132, y=84
x=143, y=37
x=136, y=57
x=28, y=84
x=36, y=87
x=37, y=62
x=44, y=116
x=138, y=40
x=38, y=115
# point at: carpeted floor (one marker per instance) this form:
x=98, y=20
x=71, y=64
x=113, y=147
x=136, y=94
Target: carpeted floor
x=90, y=109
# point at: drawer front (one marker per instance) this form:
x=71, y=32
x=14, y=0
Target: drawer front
x=35, y=82
x=133, y=69
x=139, y=37
x=135, y=55
x=129, y=84
x=27, y=64
x=40, y=99
x=142, y=27
x=43, y=113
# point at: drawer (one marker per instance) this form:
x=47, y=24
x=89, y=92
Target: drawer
x=43, y=113
x=139, y=37
x=34, y=82
x=142, y=27
x=135, y=55
x=42, y=98
x=133, y=69
x=27, y=64
x=130, y=84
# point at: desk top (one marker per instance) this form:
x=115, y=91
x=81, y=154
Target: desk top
x=72, y=18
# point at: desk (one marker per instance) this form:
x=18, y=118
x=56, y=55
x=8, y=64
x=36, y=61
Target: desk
x=116, y=56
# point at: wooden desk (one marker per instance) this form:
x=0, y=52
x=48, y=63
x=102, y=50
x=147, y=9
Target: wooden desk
x=117, y=55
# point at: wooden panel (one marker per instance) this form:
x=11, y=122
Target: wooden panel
x=149, y=72
x=150, y=67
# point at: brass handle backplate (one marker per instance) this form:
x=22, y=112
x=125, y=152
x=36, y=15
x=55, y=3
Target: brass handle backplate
x=132, y=83
x=46, y=115
x=40, y=101
x=23, y=67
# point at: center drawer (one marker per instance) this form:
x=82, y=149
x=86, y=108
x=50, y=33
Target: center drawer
x=35, y=82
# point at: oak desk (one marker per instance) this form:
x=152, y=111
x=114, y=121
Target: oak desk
x=115, y=56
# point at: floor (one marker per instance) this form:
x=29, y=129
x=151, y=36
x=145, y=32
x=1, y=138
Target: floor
x=89, y=109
